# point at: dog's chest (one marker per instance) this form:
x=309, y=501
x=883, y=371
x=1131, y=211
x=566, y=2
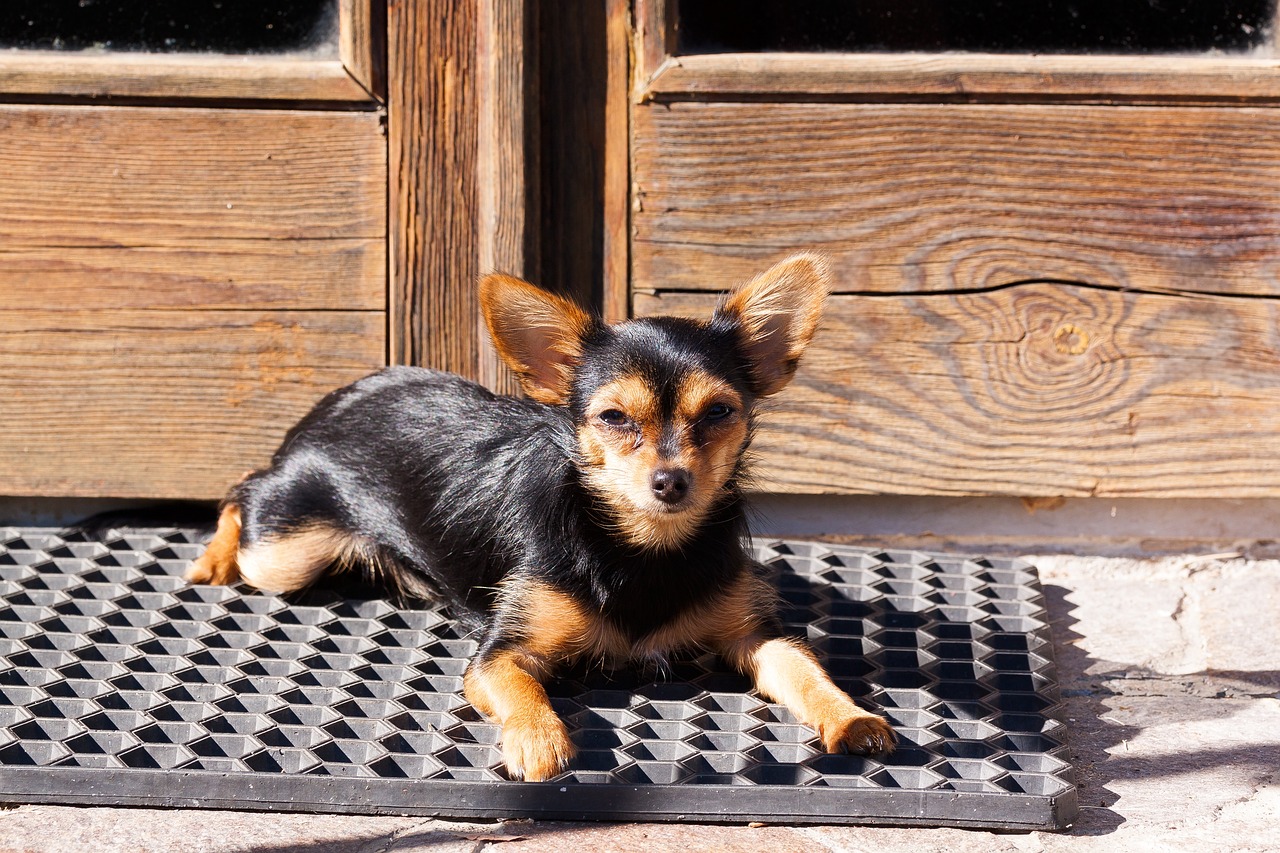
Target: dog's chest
x=652, y=600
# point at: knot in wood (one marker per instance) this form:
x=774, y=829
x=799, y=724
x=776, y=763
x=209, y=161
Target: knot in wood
x=1070, y=339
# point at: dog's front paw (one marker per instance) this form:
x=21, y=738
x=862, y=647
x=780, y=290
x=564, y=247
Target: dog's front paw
x=863, y=733
x=536, y=747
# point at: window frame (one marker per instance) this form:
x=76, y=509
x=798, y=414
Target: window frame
x=357, y=75
x=662, y=74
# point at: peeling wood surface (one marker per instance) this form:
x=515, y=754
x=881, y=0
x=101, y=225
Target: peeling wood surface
x=171, y=404
x=177, y=287
x=911, y=198
x=1033, y=390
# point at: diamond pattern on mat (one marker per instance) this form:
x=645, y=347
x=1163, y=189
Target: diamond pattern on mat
x=109, y=659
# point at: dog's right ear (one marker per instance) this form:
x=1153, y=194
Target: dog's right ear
x=776, y=315
x=538, y=334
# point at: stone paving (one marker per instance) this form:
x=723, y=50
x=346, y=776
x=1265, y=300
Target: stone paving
x=1170, y=671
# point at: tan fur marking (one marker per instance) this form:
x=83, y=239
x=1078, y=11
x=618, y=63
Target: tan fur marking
x=699, y=391
x=622, y=462
x=217, y=565
x=633, y=396
x=538, y=334
x=296, y=560
x=714, y=462
x=535, y=743
x=619, y=465
x=507, y=687
x=787, y=672
x=558, y=628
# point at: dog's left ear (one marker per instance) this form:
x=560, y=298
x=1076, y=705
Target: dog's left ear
x=776, y=314
x=538, y=334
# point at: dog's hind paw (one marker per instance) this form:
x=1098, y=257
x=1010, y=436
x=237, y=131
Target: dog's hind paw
x=536, y=748
x=865, y=734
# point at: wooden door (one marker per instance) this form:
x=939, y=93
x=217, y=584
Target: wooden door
x=192, y=250
x=1057, y=274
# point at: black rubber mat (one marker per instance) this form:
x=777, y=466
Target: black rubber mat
x=122, y=684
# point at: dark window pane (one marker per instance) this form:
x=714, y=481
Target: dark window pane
x=994, y=26
x=170, y=26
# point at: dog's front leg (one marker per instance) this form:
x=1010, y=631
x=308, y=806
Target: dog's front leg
x=505, y=685
x=786, y=671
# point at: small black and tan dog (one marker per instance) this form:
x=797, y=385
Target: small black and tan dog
x=602, y=519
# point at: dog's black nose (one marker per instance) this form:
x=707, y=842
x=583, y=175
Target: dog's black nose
x=670, y=485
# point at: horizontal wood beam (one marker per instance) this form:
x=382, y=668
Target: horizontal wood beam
x=1037, y=390
x=919, y=198
x=1021, y=77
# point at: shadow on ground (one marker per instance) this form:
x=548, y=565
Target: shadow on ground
x=1092, y=688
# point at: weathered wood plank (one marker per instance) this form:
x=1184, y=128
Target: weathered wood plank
x=128, y=75
x=163, y=403
x=655, y=40
x=957, y=197
x=433, y=119
x=1033, y=390
x=362, y=34
x=506, y=159
x=119, y=176
x=964, y=75
x=179, y=285
x=343, y=274
x=616, y=200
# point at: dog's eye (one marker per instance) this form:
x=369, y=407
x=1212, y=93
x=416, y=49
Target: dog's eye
x=612, y=417
x=718, y=412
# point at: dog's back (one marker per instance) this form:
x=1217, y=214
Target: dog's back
x=419, y=477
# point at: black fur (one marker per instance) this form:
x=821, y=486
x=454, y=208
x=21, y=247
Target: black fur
x=460, y=488
x=556, y=528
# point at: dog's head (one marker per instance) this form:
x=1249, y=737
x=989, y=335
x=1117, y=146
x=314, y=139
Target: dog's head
x=663, y=406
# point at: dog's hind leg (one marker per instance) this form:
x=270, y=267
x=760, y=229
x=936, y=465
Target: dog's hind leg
x=294, y=560
x=279, y=563
x=218, y=565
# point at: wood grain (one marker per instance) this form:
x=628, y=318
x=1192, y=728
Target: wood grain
x=341, y=274
x=616, y=201
x=1032, y=390
x=362, y=43
x=918, y=198
x=126, y=177
x=655, y=41
x=239, y=78
x=127, y=403
x=1026, y=78
x=432, y=144
x=179, y=286
x=505, y=196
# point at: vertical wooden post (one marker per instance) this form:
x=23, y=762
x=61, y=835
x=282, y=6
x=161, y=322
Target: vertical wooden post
x=504, y=186
x=616, y=296
x=655, y=40
x=432, y=129
x=508, y=148
x=460, y=184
